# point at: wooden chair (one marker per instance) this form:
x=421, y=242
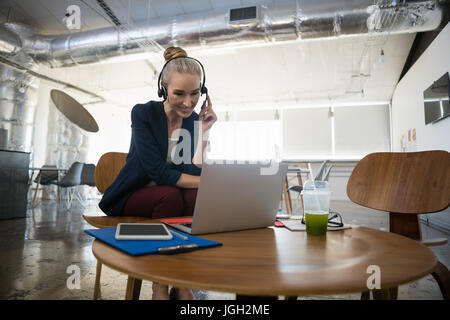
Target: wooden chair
x=106, y=171
x=405, y=185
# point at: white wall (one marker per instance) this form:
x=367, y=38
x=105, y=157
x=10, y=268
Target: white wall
x=408, y=107
x=407, y=101
x=41, y=125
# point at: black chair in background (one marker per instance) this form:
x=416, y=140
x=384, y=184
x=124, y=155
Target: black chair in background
x=71, y=180
x=45, y=177
x=323, y=174
x=87, y=174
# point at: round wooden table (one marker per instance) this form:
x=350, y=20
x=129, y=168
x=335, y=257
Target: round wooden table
x=276, y=261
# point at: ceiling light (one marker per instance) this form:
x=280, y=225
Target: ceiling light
x=382, y=57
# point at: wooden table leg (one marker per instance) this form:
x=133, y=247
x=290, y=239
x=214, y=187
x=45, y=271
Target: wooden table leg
x=245, y=297
x=365, y=295
x=97, y=292
x=133, y=288
x=442, y=275
x=393, y=293
x=385, y=294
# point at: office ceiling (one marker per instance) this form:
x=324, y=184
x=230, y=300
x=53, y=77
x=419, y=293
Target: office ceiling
x=46, y=15
x=287, y=73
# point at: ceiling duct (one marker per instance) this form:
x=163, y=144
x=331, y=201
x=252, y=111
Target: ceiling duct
x=293, y=20
x=243, y=14
x=301, y=19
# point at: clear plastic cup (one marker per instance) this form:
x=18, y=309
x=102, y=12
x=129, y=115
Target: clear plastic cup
x=316, y=204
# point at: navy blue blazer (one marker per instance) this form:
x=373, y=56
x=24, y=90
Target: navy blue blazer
x=146, y=160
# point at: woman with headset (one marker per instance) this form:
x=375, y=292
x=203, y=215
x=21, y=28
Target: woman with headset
x=154, y=182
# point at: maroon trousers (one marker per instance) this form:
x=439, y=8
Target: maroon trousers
x=161, y=202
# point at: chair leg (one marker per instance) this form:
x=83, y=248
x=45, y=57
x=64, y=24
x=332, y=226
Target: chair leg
x=133, y=288
x=385, y=294
x=30, y=181
x=59, y=189
x=442, y=276
x=379, y=294
x=79, y=198
x=97, y=292
x=69, y=198
x=393, y=293
x=287, y=198
x=37, y=188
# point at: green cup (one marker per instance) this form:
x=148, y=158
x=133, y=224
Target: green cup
x=316, y=223
x=316, y=205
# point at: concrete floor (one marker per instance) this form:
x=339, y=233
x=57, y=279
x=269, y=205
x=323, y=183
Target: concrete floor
x=37, y=250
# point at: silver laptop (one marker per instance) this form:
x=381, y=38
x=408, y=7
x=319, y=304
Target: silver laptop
x=236, y=197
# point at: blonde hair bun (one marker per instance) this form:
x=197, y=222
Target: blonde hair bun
x=174, y=52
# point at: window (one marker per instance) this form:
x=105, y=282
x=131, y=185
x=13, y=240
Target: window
x=245, y=140
x=361, y=130
x=344, y=132
x=306, y=133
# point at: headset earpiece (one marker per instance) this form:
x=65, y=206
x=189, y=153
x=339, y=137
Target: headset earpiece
x=204, y=90
x=162, y=93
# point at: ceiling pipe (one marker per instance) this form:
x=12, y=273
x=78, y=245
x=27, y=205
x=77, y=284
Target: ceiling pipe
x=301, y=19
x=10, y=42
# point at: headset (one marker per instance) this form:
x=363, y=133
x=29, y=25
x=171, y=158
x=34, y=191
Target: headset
x=162, y=91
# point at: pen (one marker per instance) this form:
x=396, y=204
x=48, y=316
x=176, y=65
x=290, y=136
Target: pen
x=179, y=235
x=180, y=248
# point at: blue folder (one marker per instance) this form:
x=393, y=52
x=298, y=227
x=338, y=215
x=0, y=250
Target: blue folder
x=141, y=247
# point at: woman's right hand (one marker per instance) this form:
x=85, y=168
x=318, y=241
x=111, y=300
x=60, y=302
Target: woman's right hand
x=207, y=115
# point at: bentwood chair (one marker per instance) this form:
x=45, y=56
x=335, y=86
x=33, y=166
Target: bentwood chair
x=405, y=185
x=106, y=171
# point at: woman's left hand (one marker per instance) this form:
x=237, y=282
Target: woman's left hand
x=207, y=115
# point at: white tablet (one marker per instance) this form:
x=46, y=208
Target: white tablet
x=142, y=231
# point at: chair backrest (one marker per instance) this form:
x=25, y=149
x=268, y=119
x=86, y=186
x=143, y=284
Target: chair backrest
x=46, y=177
x=87, y=174
x=107, y=169
x=73, y=176
x=320, y=171
x=413, y=182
